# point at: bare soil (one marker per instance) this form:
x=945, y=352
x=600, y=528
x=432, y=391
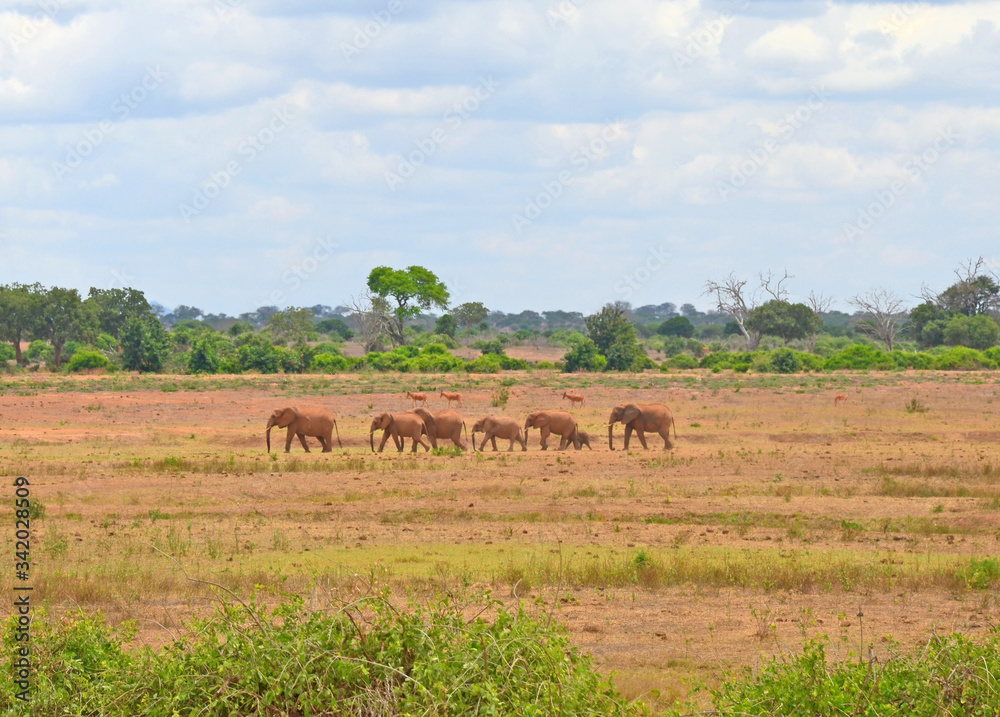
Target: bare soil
x=905, y=473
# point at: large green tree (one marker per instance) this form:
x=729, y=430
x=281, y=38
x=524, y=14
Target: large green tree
x=111, y=308
x=291, y=324
x=469, y=314
x=614, y=336
x=62, y=318
x=414, y=289
x=145, y=344
x=20, y=314
x=785, y=320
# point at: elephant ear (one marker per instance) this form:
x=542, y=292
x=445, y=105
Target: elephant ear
x=539, y=419
x=287, y=416
x=630, y=413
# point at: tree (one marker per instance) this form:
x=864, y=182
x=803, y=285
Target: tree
x=371, y=314
x=145, y=344
x=677, y=326
x=584, y=356
x=977, y=332
x=111, y=308
x=926, y=325
x=614, y=336
x=883, y=310
x=291, y=324
x=414, y=290
x=784, y=320
x=446, y=325
x=469, y=314
x=183, y=312
x=62, y=319
x=335, y=325
x=975, y=293
x=20, y=314
x=820, y=304
x=733, y=298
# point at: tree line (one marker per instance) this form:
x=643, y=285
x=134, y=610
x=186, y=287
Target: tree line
x=394, y=324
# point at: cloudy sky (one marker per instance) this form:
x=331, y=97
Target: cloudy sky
x=556, y=154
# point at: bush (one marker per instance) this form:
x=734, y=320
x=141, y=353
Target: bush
x=329, y=363
x=7, y=353
x=681, y=361
x=677, y=326
x=857, y=357
x=255, y=353
x=960, y=358
x=88, y=358
x=418, y=660
x=39, y=351
x=545, y=365
x=584, y=357
x=785, y=361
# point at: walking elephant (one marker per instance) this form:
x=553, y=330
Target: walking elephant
x=400, y=426
x=494, y=427
x=443, y=425
x=560, y=423
x=642, y=417
x=313, y=421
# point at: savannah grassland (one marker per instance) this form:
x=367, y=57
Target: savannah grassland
x=777, y=514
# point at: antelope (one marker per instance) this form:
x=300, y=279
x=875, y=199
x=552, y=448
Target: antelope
x=839, y=397
x=452, y=397
x=574, y=398
x=417, y=398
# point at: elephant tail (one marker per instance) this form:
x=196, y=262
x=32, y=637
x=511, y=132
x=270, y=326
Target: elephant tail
x=674, y=421
x=465, y=431
x=339, y=443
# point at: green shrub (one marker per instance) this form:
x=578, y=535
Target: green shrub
x=7, y=352
x=951, y=676
x=87, y=358
x=39, y=351
x=681, y=361
x=785, y=361
x=247, y=661
x=960, y=358
x=329, y=363
x=858, y=357
x=584, y=357
x=545, y=365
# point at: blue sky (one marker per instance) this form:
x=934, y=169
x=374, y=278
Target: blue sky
x=545, y=155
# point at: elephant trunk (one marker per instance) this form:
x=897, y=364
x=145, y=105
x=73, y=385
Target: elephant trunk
x=611, y=433
x=473, y=441
x=270, y=425
x=371, y=439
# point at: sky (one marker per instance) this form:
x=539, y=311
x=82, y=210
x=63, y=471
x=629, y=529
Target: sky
x=558, y=154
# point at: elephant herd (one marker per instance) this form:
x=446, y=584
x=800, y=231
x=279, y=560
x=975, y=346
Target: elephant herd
x=426, y=428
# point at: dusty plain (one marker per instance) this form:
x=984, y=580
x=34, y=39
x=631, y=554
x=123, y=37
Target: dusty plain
x=777, y=514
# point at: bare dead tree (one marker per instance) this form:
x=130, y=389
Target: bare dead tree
x=372, y=314
x=732, y=297
x=820, y=304
x=772, y=285
x=884, y=310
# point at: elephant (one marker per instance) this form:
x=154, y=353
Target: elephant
x=400, y=426
x=642, y=417
x=584, y=438
x=560, y=423
x=306, y=421
x=446, y=424
x=498, y=426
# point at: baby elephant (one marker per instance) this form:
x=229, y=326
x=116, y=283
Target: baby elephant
x=306, y=421
x=584, y=438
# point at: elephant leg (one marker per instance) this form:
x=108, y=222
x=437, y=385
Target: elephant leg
x=302, y=440
x=493, y=440
x=327, y=443
x=385, y=437
x=288, y=440
x=642, y=438
x=420, y=439
x=628, y=434
x=544, y=431
x=665, y=435
x=563, y=442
